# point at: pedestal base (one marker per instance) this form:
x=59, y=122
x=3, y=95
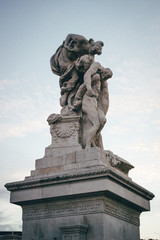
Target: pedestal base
x=92, y=218
x=81, y=201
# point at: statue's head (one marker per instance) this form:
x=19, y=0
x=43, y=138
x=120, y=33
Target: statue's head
x=106, y=73
x=77, y=44
x=96, y=47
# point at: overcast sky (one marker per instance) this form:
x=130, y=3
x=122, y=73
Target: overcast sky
x=31, y=31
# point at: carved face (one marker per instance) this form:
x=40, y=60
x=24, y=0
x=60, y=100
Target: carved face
x=96, y=48
x=78, y=45
x=106, y=73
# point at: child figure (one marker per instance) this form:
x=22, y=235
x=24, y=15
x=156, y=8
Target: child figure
x=94, y=97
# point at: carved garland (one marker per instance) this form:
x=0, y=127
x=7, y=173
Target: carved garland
x=65, y=132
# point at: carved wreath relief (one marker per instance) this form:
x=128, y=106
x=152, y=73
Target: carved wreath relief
x=65, y=133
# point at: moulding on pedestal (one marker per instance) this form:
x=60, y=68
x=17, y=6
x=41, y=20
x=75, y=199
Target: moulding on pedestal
x=75, y=232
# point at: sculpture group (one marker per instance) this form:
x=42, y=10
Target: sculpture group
x=78, y=190
x=84, y=89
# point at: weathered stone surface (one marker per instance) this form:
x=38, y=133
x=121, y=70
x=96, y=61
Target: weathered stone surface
x=83, y=215
x=65, y=136
x=86, y=187
x=79, y=191
x=77, y=232
x=80, y=159
x=85, y=206
x=101, y=196
x=118, y=163
x=93, y=181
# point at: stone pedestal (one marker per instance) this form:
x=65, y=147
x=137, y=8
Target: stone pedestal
x=79, y=194
x=65, y=136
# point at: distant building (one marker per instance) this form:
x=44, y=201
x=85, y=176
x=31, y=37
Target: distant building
x=8, y=235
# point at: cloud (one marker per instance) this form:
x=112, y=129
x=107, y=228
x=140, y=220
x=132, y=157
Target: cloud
x=156, y=146
x=22, y=116
x=3, y=193
x=138, y=147
x=21, y=129
x=118, y=130
x=134, y=90
x=144, y=154
x=9, y=216
x=141, y=104
x=147, y=173
x=6, y=83
x=10, y=227
x=26, y=111
x=152, y=146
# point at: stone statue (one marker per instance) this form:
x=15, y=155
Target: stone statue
x=78, y=190
x=84, y=89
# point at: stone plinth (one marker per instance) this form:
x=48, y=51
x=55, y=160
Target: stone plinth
x=91, y=197
x=81, y=159
x=65, y=136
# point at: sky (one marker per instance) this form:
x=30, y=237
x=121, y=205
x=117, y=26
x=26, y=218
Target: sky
x=31, y=31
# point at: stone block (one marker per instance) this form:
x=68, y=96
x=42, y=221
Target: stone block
x=49, y=162
x=90, y=154
x=70, y=158
x=65, y=133
x=78, y=159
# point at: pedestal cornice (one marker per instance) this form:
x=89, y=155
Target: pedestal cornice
x=106, y=176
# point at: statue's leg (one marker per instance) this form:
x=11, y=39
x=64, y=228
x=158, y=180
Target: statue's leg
x=93, y=144
x=92, y=132
x=102, y=119
x=98, y=138
x=89, y=106
x=98, y=141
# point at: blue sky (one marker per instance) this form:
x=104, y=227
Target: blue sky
x=31, y=31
